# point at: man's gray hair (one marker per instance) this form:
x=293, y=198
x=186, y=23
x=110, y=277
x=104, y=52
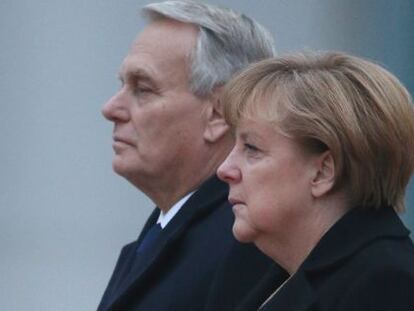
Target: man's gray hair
x=227, y=41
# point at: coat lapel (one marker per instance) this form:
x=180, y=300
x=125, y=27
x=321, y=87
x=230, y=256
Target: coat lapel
x=201, y=203
x=297, y=294
x=270, y=281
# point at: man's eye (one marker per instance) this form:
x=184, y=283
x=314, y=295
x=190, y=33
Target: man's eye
x=142, y=90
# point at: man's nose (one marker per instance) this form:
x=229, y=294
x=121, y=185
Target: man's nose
x=116, y=108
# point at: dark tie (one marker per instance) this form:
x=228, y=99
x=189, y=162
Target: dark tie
x=149, y=238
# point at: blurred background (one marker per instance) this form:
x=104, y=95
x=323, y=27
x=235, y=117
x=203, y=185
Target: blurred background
x=64, y=214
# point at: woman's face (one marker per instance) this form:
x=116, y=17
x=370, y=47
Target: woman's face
x=269, y=177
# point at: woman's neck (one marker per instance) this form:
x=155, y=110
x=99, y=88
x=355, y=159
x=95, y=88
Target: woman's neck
x=291, y=248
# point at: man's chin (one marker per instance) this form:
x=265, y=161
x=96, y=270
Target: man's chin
x=120, y=167
x=133, y=171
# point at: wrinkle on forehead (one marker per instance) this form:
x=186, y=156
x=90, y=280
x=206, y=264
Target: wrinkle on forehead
x=162, y=49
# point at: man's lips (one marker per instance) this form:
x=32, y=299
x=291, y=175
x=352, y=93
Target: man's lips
x=118, y=139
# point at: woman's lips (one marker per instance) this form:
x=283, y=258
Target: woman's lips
x=234, y=201
x=236, y=204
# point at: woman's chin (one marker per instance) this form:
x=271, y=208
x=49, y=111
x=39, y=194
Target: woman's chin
x=243, y=233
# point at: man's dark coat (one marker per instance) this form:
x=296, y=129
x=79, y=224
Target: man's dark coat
x=179, y=271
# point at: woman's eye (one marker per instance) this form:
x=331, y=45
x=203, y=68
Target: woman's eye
x=251, y=149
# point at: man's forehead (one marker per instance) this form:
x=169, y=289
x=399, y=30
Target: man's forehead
x=170, y=25
x=166, y=36
x=163, y=46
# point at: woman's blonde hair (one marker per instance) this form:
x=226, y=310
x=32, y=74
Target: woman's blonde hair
x=333, y=101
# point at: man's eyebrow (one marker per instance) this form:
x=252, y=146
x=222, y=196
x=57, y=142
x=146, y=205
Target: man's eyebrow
x=138, y=73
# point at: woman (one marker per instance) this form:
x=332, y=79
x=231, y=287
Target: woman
x=324, y=151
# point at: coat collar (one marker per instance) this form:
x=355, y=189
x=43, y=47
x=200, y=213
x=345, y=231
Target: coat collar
x=263, y=289
x=297, y=294
x=353, y=231
x=202, y=202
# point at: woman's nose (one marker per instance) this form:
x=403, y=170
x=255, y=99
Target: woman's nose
x=229, y=171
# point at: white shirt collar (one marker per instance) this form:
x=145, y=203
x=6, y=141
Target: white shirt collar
x=164, y=218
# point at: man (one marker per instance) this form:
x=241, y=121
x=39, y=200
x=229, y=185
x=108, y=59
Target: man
x=169, y=138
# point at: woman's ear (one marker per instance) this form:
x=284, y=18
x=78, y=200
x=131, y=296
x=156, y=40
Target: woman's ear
x=324, y=177
x=216, y=126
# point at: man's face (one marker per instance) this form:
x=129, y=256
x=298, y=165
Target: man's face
x=158, y=122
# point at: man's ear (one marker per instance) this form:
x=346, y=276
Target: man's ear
x=216, y=127
x=324, y=177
